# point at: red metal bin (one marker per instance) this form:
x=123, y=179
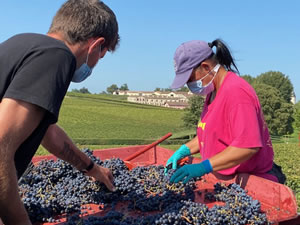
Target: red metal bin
x=277, y=200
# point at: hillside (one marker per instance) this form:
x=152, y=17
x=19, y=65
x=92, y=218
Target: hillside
x=85, y=116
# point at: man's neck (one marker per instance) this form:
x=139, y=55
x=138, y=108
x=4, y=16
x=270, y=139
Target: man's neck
x=76, y=49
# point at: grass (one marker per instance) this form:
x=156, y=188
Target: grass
x=287, y=155
x=100, y=116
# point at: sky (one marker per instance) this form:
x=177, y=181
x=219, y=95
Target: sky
x=262, y=36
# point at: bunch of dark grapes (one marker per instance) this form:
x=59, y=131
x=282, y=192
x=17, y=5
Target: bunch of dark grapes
x=54, y=188
x=239, y=207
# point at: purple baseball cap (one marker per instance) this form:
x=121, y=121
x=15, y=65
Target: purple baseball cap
x=187, y=56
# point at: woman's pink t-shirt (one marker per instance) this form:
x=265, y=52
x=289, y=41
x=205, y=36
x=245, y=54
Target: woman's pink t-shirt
x=235, y=118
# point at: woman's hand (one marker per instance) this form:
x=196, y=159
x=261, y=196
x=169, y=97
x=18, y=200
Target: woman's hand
x=182, y=152
x=190, y=171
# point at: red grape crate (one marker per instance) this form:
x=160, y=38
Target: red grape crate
x=277, y=200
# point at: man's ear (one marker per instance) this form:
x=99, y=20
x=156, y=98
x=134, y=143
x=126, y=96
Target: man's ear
x=99, y=41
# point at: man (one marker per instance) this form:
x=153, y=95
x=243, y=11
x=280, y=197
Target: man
x=35, y=73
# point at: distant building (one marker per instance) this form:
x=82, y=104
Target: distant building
x=178, y=100
x=293, y=98
x=177, y=105
x=133, y=93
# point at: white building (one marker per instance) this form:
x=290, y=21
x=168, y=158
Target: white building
x=293, y=98
x=133, y=93
x=171, y=99
x=177, y=105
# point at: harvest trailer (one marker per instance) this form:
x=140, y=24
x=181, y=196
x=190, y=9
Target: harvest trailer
x=277, y=200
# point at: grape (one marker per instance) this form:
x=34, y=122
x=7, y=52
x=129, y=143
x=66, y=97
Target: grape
x=53, y=188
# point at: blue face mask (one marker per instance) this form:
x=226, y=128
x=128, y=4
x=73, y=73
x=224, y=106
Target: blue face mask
x=83, y=72
x=196, y=86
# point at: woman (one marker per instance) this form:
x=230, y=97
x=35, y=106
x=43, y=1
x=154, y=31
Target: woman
x=232, y=135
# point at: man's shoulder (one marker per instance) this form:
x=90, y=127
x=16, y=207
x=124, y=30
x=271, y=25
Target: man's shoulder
x=25, y=38
x=36, y=41
x=31, y=36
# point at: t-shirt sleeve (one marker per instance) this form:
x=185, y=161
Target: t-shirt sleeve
x=244, y=126
x=43, y=79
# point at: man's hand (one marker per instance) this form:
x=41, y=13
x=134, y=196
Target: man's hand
x=104, y=175
x=22, y=222
x=59, y=144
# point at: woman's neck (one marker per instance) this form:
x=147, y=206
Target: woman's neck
x=220, y=78
x=212, y=96
x=218, y=82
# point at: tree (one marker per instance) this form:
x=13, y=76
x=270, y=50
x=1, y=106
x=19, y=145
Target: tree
x=124, y=87
x=157, y=89
x=183, y=89
x=111, y=89
x=279, y=81
x=81, y=90
x=75, y=90
x=278, y=113
x=167, y=89
x=297, y=115
x=193, y=112
x=248, y=78
x=84, y=90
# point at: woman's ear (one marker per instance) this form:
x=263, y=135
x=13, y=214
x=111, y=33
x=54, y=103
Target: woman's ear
x=205, y=67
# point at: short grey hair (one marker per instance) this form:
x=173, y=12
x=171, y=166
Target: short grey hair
x=79, y=20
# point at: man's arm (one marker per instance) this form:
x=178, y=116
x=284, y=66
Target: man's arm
x=57, y=142
x=18, y=120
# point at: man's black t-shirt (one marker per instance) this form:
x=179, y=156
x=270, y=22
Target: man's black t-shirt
x=38, y=69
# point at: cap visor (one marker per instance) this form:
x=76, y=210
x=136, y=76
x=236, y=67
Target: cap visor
x=181, y=79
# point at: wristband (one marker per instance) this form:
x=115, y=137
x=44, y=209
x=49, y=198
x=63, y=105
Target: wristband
x=207, y=166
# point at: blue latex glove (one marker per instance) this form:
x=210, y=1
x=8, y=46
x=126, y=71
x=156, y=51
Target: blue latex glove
x=182, y=152
x=187, y=172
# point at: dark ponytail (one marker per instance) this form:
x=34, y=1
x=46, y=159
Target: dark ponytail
x=223, y=55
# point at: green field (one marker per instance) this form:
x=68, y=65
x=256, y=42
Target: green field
x=106, y=121
x=90, y=116
x=287, y=156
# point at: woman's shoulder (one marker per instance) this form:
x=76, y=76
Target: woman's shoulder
x=235, y=83
x=236, y=88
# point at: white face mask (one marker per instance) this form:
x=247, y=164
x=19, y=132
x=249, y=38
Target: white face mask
x=83, y=72
x=196, y=86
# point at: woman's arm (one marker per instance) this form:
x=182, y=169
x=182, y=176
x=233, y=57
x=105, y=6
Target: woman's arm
x=230, y=157
x=193, y=145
